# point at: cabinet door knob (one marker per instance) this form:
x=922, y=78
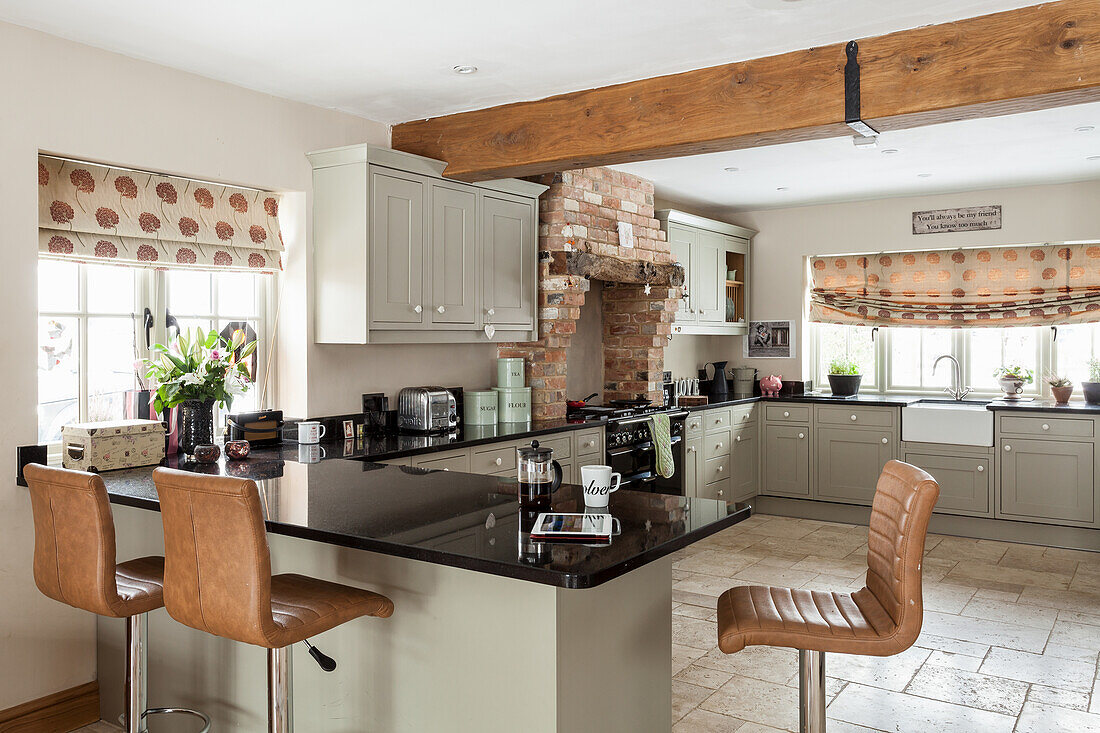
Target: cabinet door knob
x=721, y=468
x=885, y=440
x=801, y=436
x=498, y=461
x=691, y=449
x=418, y=309
x=721, y=492
x=446, y=469
x=738, y=438
x=981, y=469
x=1046, y=427
x=441, y=309
x=491, y=312
x=854, y=418
x=717, y=446
x=786, y=414
x=1008, y=447
x=717, y=421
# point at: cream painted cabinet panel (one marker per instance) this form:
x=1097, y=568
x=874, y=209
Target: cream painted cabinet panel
x=682, y=243
x=708, y=277
x=397, y=250
x=787, y=460
x=508, y=263
x=693, y=460
x=454, y=262
x=849, y=463
x=1047, y=480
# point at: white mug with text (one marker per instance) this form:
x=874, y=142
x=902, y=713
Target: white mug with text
x=599, y=482
x=310, y=431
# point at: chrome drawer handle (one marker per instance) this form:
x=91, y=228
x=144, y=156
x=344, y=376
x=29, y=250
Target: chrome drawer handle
x=981, y=469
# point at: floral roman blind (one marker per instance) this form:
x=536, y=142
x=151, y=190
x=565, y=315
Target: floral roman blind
x=1025, y=285
x=93, y=213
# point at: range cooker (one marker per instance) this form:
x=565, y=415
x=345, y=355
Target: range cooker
x=629, y=446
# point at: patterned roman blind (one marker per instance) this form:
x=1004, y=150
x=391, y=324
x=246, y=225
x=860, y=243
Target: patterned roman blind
x=94, y=213
x=991, y=287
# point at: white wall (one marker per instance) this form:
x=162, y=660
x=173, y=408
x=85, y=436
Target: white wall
x=65, y=98
x=1032, y=214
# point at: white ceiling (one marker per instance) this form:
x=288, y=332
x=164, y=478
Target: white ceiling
x=997, y=152
x=391, y=61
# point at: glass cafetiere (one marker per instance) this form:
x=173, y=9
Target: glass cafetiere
x=539, y=476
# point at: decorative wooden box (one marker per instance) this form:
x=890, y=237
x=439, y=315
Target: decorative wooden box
x=111, y=445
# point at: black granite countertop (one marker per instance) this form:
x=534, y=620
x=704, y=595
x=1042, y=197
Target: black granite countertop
x=901, y=400
x=448, y=518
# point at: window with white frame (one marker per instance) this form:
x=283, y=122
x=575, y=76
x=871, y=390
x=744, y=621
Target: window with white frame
x=92, y=328
x=901, y=359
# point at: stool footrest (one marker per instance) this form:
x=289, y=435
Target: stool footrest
x=173, y=711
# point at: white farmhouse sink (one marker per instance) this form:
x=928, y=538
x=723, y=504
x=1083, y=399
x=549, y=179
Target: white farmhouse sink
x=954, y=423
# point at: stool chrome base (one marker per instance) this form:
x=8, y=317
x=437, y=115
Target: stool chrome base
x=811, y=691
x=137, y=681
x=280, y=711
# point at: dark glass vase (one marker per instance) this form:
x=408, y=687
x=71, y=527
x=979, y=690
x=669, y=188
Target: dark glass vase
x=196, y=425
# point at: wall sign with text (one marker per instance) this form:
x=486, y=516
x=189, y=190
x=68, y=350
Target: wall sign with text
x=973, y=219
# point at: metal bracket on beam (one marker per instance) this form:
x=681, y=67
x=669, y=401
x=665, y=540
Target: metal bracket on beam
x=851, y=94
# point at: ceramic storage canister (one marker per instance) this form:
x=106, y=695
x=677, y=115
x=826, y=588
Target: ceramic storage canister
x=480, y=407
x=510, y=373
x=514, y=404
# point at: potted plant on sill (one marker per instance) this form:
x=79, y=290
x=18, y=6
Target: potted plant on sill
x=1091, y=388
x=1060, y=387
x=844, y=376
x=1012, y=378
x=195, y=372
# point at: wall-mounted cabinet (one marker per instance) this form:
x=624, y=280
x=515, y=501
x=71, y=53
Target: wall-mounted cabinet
x=710, y=251
x=402, y=255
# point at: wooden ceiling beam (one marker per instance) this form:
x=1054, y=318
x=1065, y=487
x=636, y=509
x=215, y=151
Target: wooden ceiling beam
x=1021, y=60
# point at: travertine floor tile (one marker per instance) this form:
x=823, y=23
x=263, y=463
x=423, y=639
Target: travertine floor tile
x=704, y=676
x=981, y=631
x=1040, y=669
x=894, y=711
x=1038, y=718
x=998, y=577
x=946, y=598
x=1058, y=697
x=954, y=661
x=768, y=663
x=1023, y=614
x=686, y=697
x=892, y=673
x=1063, y=600
x=704, y=721
x=756, y=701
x=995, y=694
x=1069, y=633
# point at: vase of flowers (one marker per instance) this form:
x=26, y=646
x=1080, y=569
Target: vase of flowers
x=1091, y=388
x=196, y=372
x=1012, y=378
x=844, y=377
x=1060, y=387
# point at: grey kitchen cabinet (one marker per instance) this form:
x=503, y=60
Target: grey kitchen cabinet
x=402, y=255
x=454, y=261
x=509, y=267
x=1047, y=480
x=965, y=476
x=457, y=460
x=786, y=460
x=693, y=458
x=707, y=250
x=849, y=462
x=745, y=462
x=396, y=249
x=721, y=456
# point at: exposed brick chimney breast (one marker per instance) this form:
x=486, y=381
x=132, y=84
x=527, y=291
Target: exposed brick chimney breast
x=580, y=212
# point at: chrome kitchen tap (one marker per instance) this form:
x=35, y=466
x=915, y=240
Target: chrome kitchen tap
x=957, y=391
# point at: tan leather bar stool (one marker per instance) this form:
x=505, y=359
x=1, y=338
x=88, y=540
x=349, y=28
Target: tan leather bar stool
x=218, y=578
x=881, y=619
x=74, y=563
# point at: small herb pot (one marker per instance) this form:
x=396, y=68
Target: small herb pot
x=1062, y=394
x=845, y=385
x=1092, y=392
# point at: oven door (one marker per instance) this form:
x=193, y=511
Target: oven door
x=637, y=465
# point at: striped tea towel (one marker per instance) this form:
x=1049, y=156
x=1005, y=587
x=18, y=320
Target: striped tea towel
x=660, y=429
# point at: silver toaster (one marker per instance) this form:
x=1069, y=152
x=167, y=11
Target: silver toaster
x=426, y=410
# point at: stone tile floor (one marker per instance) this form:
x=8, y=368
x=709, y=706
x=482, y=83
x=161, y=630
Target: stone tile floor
x=1010, y=642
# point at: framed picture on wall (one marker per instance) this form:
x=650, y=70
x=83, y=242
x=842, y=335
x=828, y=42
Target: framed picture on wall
x=769, y=340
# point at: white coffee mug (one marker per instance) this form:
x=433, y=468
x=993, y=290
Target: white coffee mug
x=310, y=431
x=597, y=482
x=310, y=453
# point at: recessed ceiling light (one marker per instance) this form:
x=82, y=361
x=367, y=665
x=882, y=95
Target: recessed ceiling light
x=782, y=188
x=731, y=169
x=464, y=69
x=924, y=175
x=1085, y=128
x=890, y=151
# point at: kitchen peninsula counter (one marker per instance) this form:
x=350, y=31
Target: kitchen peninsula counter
x=490, y=631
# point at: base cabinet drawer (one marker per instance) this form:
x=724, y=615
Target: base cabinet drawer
x=716, y=469
x=1047, y=480
x=457, y=461
x=717, y=444
x=787, y=413
x=966, y=482
x=714, y=420
x=1045, y=426
x=494, y=460
x=693, y=424
x=849, y=463
x=590, y=443
x=717, y=490
x=786, y=460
